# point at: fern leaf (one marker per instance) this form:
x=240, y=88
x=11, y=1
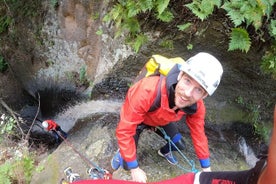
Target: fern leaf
x=254, y=16
x=132, y=25
x=162, y=5
x=132, y=9
x=239, y=40
x=138, y=41
x=146, y=5
x=234, y=12
x=202, y=9
x=117, y=12
x=166, y=16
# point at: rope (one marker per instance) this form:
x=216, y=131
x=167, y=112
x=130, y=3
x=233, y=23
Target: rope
x=190, y=162
x=88, y=162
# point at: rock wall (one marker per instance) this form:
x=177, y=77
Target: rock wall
x=68, y=47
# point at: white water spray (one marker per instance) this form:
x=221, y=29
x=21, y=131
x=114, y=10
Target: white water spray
x=69, y=117
x=247, y=152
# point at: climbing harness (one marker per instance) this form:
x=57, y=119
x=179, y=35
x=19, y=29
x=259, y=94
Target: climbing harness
x=171, y=143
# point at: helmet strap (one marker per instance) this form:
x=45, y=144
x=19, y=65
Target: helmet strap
x=181, y=73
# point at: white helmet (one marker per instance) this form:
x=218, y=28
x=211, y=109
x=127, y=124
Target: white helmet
x=205, y=69
x=45, y=124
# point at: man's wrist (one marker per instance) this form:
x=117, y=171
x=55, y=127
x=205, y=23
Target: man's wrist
x=205, y=163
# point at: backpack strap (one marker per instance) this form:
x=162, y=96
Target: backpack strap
x=157, y=101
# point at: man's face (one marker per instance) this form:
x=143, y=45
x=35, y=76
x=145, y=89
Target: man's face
x=188, y=91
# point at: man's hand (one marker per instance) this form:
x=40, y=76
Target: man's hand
x=138, y=175
x=208, y=169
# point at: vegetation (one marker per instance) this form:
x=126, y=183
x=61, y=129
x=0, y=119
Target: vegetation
x=249, y=21
x=17, y=170
x=254, y=117
x=3, y=64
x=18, y=164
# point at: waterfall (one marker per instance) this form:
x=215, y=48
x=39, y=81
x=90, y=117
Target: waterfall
x=69, y=117
x=247, y=152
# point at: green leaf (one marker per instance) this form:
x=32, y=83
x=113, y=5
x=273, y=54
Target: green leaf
x=254, y=15
x=132, y=25
x=239, y=40
x=234, y=12
x=99, y=32
x=117, y=12
x=3, y=64
x=268, y=64
x=132, y=7
x=166, y=16
x=146, y=5
x=266, y=6
x=272, y=28
x=203, y=8
x=162, y=5
x=5, y=173
x=140, y=40
x=190, y=46
x=167, y=44
x=182, y=27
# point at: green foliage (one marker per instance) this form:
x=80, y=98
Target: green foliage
x=7, y=125
x=28, y=167
x=99, y=32
x=249, y=12
x=137, y=42
x=16, y=10
x=203, y=8
x=19, y=169
x=95, y=16
x=272, y=28
x=54, y=3
x=162, y=5
x=125, y=16
x=83, y=75
x=5, y=22
x=165, y=16
x=183, y=27
x=190, y=46
x=167, y=44
x=268, y=64
x=239, y=40
x=18, y=164
x=254, y=118
x=241, y=13
x=3, y=64
x=5, y=173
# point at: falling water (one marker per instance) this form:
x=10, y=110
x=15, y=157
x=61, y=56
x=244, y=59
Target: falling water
x=247, y=152
x=69, y=117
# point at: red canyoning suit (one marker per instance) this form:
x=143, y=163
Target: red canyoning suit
x=135, y=109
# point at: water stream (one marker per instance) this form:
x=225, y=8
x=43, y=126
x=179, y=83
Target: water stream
x=247, y=152
x=69, y=117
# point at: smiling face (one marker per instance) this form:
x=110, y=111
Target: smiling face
x=188, y=91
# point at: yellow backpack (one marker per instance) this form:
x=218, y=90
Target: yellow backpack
x=157, y=65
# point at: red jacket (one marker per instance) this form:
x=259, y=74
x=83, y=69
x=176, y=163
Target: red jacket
x=134, y=111
x=187, y=178
x=52, y=125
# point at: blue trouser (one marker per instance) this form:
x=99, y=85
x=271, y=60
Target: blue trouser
x=171, y=131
